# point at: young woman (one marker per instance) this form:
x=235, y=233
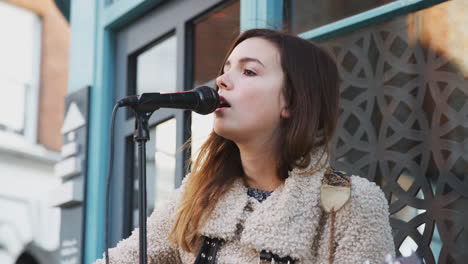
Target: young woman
x=262, y=188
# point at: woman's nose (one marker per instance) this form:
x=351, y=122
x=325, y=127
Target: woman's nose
x=222, y=82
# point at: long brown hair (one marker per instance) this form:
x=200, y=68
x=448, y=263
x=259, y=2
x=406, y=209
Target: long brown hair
x=311, y=92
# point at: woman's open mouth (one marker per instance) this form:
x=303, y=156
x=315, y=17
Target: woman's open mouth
x=223, y=103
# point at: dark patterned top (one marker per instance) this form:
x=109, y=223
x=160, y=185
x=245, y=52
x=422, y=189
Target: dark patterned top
x=259, y=195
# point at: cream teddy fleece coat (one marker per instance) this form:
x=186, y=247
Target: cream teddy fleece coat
x=290, y=222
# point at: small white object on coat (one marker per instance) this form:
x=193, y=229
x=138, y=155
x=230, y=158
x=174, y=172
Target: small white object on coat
x=334, y=197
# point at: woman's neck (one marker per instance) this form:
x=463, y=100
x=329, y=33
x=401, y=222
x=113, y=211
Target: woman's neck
x=259, y=162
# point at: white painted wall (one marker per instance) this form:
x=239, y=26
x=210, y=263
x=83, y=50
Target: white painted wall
x=26, y=217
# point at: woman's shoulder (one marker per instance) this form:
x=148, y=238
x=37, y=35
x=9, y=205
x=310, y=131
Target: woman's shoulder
x=364, y=191
x=367, y=199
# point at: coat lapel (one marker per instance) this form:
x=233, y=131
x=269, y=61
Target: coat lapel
x=285, y=223
x=227, y=213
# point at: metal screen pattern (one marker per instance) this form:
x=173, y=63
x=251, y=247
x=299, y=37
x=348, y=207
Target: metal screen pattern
x=404, y=125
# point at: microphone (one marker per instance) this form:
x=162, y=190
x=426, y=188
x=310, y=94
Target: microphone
x=203, y=100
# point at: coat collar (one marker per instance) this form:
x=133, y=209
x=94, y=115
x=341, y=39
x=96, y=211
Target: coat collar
x=285, y=223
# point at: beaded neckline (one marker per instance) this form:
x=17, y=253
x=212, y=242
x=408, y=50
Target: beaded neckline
x=259, y=195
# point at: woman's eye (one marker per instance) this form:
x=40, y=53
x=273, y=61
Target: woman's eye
x=249, y=72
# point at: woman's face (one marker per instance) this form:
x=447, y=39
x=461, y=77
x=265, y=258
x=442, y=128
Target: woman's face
x=252, y=102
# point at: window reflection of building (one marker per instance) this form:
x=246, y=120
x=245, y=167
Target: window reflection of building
x=213, y=33
x=156, y=68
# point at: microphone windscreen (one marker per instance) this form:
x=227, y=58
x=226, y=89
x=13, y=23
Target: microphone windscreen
x=209, y=100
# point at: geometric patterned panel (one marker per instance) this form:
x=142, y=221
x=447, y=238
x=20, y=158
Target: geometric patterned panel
x=404, y=125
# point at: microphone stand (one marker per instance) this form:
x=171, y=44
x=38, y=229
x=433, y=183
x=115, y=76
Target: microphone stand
x=141, y=136
x=143, y=107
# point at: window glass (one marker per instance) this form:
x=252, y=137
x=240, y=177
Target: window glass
x=160, y=167
x=156, y=68
x=304, y=15
x=164, y=162
x=213, y=34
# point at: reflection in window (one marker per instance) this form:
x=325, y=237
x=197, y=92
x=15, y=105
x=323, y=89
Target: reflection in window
x=164, y=161
x=156, y=68
x=304, y=15
x=201, y=127
x=213, y=34
x=160, y=167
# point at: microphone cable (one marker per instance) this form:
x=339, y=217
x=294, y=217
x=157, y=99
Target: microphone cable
x=127, y=101
x=109, y=173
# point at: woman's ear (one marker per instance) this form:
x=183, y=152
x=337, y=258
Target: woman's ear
x=285, y=112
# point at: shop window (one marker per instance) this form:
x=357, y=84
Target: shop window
x=213, y=33
x=156, y=68
x=303, y=15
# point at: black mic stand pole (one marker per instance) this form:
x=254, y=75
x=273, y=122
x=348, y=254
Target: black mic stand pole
x=141, y=136
x=143, y=108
